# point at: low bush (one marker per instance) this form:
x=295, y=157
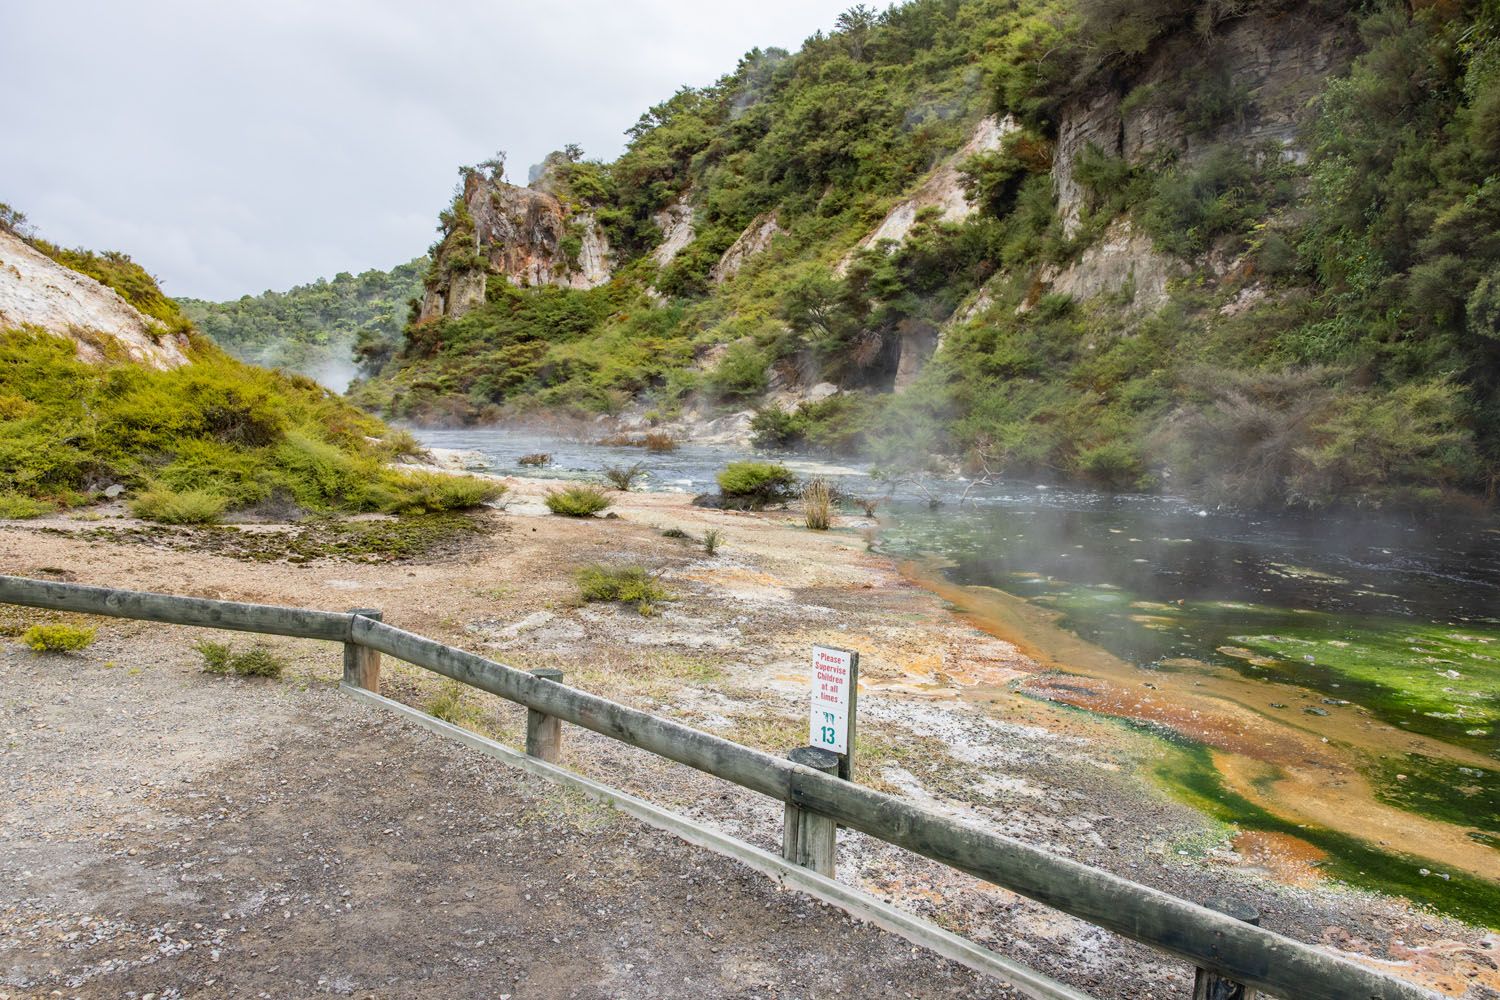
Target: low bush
x=578, y=501
x=58, y=638
x=168, y=506
x=220, y=658
x=676, y=533
x=17, y=506
x=438, y=492
x=623, y=477
x=536, y=459
x=623, y=584
x=756, y=484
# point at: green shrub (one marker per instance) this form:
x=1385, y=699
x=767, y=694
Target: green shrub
x=159, y=503
x=740, y=374
x=578, y=501
x=58, y=638
x=454, y=705
x=220, y=658
x=437, y=492
x=18, y=507
x=216, y=656
x=756, y=483
x=623, y=584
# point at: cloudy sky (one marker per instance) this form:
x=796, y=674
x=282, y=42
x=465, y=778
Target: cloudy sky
x=236, y=147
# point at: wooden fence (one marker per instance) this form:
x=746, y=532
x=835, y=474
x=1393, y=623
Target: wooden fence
x=1219, y=944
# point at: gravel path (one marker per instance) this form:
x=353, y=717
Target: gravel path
x=170, y=834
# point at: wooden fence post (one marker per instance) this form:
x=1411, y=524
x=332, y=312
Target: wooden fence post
x=810, y=839
x=362, y=664
x=544, y=732
x=1210, y=985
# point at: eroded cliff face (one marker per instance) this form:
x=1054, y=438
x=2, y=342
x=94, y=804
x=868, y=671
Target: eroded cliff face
x=527, y=236
x=942, y=189
x=1268, y=68
x=754, y=241
x=37, y=291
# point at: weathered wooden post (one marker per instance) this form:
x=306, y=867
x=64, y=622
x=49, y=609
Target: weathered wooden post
x=807, y=838
x=544, y=732
x=362, y=664
x=1210, y=985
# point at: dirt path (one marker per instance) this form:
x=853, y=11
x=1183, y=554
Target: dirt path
x=941, y=721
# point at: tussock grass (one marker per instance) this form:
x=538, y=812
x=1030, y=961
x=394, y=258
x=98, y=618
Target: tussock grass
x=817, y=504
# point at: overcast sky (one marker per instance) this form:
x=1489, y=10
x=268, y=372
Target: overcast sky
x=232, y=147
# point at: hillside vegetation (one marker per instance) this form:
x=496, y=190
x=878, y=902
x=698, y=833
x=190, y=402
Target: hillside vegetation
x=192, y=442
x=1268, y=272
x=320, y=329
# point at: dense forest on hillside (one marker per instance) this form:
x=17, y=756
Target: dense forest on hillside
x=1328, y=327
x=320, y=329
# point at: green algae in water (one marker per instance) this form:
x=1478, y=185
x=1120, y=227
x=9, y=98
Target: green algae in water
x=1443, y=790
x=1440, y=680
x=1187, y=771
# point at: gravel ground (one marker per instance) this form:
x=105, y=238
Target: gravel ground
x=176, y=835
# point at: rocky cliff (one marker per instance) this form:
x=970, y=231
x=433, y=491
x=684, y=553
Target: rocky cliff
x=525, y=235
x=36, y=291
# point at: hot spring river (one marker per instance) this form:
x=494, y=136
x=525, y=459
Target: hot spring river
x=1333, y=681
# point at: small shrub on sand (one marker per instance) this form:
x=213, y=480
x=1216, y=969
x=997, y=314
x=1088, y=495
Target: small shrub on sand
x=168, y=506
x=220, y=658
x=756, y=484
x=536, y=459
x=58, y=638
x=712, y=539
x=18, y=506
x=817, y=504
x=578, y=501
x=625, y=584
x=437, y=492
x=676, y=533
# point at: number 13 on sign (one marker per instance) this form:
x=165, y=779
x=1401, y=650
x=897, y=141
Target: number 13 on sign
x=835, y=679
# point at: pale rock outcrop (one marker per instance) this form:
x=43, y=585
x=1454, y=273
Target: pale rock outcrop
x=676, y=224
x=1281, y=62
x=37, y=291
x=1122, y=260
x=942, y=189
x=919, y=342
x=752, y=242
x=521, y=234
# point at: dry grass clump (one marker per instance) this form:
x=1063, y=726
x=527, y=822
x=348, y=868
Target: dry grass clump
x=817, y=504
x=624, y=477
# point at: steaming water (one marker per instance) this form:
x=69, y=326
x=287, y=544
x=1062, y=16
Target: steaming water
x=1398, y=616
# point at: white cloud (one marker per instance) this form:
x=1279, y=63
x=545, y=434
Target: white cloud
x=235, y=148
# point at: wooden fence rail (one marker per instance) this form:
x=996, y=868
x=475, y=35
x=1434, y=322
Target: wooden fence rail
x=1211, y=940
